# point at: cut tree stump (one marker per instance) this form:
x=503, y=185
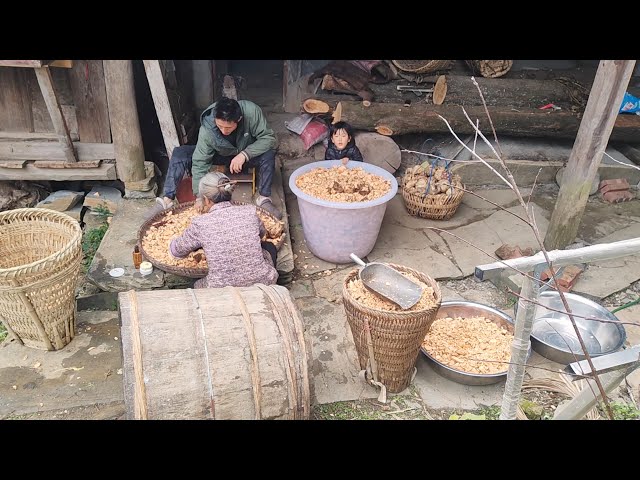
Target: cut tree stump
x=311, y=105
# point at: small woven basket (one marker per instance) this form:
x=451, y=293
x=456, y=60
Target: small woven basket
x=184, y=271
x=395, y=336
x=422, y=66
x=490, y=68
x=434, y=207
x=40, y=257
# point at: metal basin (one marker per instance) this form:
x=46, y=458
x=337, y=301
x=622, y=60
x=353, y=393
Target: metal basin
x=470, y=309
x=553, y=336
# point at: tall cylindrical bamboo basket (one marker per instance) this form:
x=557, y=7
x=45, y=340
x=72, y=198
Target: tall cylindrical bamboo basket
x=392, y=338
x=40, y=257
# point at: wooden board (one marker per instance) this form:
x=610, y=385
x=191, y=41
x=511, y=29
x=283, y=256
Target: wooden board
x=52, y=164
x=52, y=151
x=34, y=136
x=106, y=171
x=41, y=118
x=163, y=107
x=15, y=100
x=90, y=99
x=23, y=63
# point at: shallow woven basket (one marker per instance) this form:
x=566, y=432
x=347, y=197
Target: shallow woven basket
x=40, y=256
x=396, y=337
x=422, y=66
x=183, y=271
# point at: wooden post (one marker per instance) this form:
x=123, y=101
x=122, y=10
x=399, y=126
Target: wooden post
x=609, y=86
x=123, y=116
x=55, y=111
x=163, y=108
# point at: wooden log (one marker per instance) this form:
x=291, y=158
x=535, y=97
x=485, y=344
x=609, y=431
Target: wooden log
x=123, y=117
x=609, y=86
x=632, y=152
x=163, y=107
x=223, y=353
x=55, y=111
x=396, y=119
x=440, y=90
x=513, y=92
x=312, y=105
x=51, y=151
x=379, y=150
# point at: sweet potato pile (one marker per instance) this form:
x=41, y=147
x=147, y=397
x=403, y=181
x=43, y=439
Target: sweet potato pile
x=156, y=240
x=342, y=184
x=425, y=180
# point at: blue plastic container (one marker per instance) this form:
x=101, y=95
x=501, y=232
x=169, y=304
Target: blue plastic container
x=333, y=230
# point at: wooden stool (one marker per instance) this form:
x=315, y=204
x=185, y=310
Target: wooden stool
x=243, y=177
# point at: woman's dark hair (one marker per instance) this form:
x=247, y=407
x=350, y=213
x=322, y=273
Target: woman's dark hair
x=228, y=109
x=334, y=127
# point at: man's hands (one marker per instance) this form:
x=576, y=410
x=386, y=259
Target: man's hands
x=237, y=162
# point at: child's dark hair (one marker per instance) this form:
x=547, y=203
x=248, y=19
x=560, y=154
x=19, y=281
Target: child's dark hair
x=334, y=127
x=228, y=109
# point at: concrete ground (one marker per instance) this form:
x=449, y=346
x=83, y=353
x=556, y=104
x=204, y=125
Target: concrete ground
x=84, y=380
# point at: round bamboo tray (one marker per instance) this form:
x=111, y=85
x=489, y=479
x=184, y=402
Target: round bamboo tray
x=40, y=257
x=184, y=271
x=395, y=337
x=422, y=66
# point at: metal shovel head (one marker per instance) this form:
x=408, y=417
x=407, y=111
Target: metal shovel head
x=391, y=284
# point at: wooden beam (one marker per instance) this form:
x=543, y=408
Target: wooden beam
x=55, y=111
x=34, y=136
x=50, y=164
x=123, y=117
x=23, y=63
x=106, y=171
x=15, y=164
x=163, y=108
x=62, y=63
x=52, y=151
x=609, y=86
x=90, y=99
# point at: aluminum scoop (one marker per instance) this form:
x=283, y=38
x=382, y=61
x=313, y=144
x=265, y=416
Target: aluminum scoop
x=389, y=283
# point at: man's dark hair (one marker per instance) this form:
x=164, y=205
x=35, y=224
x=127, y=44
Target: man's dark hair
x=334, y=127
x=228, y=109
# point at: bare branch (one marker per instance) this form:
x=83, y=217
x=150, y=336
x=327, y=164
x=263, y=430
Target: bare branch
x=486, y=109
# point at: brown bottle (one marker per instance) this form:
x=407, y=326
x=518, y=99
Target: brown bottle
x=137, y=257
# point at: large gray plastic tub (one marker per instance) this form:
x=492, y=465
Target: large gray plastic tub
x=333, y=230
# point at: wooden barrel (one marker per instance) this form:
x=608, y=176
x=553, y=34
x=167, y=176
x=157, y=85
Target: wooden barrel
x=214, y=353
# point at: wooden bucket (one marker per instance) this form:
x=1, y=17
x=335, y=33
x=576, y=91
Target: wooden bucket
x=214, y=353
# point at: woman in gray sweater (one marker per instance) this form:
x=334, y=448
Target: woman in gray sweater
x=230, y=237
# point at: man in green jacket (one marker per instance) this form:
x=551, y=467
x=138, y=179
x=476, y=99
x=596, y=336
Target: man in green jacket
x=232, y=133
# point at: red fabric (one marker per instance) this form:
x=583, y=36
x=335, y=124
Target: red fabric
x=184, y=192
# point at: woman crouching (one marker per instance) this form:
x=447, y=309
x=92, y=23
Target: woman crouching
x=230, y=237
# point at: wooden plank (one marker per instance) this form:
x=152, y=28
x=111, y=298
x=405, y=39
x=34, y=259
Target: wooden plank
x=23, y=63
x=52, y=151
x=90, y=99
x=161, y=102
x=59, y=124
x=600, y=115
x=41, y=119
x=15, y=100
x=17, y=164
x=34, y=136
x=50, y=164
x=106, y=171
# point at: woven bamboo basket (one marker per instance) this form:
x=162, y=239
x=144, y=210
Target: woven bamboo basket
x=422, y=66
x=490, y=68
x=434, y=207
x=184, y=271
x=395, y=338
x=40, y=257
